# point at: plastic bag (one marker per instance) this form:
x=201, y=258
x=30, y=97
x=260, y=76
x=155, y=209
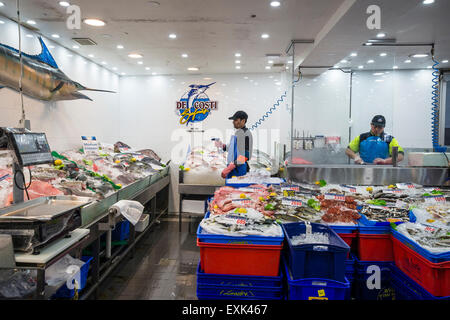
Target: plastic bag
x=65, y=269
x=131, y=210
x=17, y=284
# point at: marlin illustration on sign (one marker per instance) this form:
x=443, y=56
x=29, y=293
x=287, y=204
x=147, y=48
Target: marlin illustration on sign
x=195, y=105
x=42, y=78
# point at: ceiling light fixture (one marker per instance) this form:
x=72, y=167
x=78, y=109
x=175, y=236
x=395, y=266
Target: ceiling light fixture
x=119, y=46
x=154, y=73
x=395, y=67
x=420, y=55
x=135, y=55
x=1, y=4
x=237, y=55
x=381, y=35
x=140, y=62
x=192, y=69
x=444, y=61
x=75, y=47
x=2, y=22
x=29, y=35
x=360, y=67
x=123, y=73
x=94, y=22
x=275, y=3
x=344, y=61
x=90, y=55
x=114, y=68
x=172, y=36
x=353, y=54
x=270, y=61
x=55, y=36
x=378, y=73
x=408, y=61
x=184, y=55
x=383, y=54
x=368, y=44
x=370, y=61
x=31, y=22
x=429, y=67
x=64, y=4
x=428, y=1
x=104, y=63
x=267, y=67
x=265, y=36
x=147, y=68
x=238, y=67
x=237, y=61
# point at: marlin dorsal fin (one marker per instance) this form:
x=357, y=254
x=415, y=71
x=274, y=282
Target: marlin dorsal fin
x=45, y=56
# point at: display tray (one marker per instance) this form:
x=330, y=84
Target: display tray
x=35, y=223
x=134, y=189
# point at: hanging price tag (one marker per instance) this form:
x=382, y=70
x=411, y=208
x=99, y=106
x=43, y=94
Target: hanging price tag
x=405, y=186
x=332, y=196
x=348, y=188
x=291, y=202
x=434, y=199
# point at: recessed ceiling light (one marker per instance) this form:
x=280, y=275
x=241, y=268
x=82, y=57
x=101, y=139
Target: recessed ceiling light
x=238, y=67
x=290, y=61
x=147, y=68
x=381, y=35
x=207, y=78
x=140, y=62
x=64, y=4
x=370, y=61
x=379, y=80
x=378, y=73
x=75, y=47
x=55, y=35
x=353, y=54
x=383, y=54
x=1, y=4
x=29, y=35
x=184, y=55
x=154, y=73
x=287, y=68
x=31, y=22
x=135, y=55
x=444, y=61
x=123, y=73
x=2, y=22
x=429, y=67
x=344, y=61
x=395, y=67
x=275, y=3
x=192, y=69
x=172, y=36
x=237, y=55
x=270, y=61
x=360, y=67
x=91, y=55
x=420, y=55
x=104, y=62
x=408, y=61
x=368, y=44
x=428, y=1
x=264, y=36
x=237, y=61
x=94, y=22
x=119, y=46
x=267, y=67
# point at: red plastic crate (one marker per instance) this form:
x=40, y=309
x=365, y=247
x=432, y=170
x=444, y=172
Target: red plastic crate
x=240, y=259
x=351, y=240
x=375, y=247
x=433, y=277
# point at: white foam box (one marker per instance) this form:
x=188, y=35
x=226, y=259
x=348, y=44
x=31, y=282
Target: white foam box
x=193, y=206
x=427, y=159
x=142, y=223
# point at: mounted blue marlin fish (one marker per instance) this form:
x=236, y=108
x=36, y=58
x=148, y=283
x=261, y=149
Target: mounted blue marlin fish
x=42, y=78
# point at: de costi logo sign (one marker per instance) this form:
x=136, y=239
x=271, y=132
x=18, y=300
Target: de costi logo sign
x=195, y=105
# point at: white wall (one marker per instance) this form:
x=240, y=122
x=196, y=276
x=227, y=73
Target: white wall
x=148, y=117
x=64, y=122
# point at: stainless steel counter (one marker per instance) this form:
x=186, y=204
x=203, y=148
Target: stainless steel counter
x=368, y=174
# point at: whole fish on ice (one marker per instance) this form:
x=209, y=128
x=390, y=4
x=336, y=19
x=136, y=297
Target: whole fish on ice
x=42, y=78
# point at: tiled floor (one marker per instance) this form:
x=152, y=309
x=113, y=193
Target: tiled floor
x=164, y=266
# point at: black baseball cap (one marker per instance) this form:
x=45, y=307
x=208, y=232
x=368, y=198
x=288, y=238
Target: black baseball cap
x=239, y=115
x=379, y=120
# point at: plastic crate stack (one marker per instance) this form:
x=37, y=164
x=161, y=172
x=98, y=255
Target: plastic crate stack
x=241, y=268
x=316, y=271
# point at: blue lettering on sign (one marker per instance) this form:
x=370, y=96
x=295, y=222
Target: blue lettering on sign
x=195, y=105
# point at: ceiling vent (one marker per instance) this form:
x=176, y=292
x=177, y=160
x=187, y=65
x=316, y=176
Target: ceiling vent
x=84, y=41
x=273, y=55
x=275, y=65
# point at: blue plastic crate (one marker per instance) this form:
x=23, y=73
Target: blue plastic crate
x=323, y=261
x=365, y=229
x=363, y=292
x=220, y=238
x=433, y=257
x=366, y=222
x=239, y=281
x=121, y=232
x=316, y=288
x=350, y=264
x=344, y=229
x=65, y=292
x=407, y=289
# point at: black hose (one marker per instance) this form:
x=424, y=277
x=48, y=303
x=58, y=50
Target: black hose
x=24, y=183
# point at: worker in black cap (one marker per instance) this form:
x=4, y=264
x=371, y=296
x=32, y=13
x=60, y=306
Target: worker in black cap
x=374, y=146
x=239, y=149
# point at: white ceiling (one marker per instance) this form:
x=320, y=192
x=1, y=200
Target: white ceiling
x=211, y=31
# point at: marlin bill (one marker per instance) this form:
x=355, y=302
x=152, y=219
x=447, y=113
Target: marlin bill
x=42, y=78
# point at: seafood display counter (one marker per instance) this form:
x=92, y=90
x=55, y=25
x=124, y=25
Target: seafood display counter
x=368, y=174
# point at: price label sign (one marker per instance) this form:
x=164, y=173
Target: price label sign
x=434, y=199
x=348, y=188
x=90, y=145
x=247, y=189
x=241, y=202
x=395, y=191
x=378, y=207
x=290, y=188
x=332, y=196
x=405, y=186
x=237, y=219
x=429, y=229
x=291, y=202
x=431, y=189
